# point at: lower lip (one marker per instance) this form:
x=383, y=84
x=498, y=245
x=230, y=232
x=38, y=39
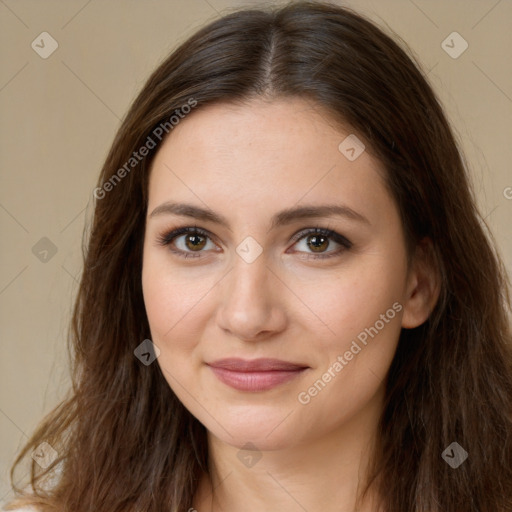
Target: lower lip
x=255, y=381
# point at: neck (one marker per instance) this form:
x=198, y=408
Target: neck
x=325, y=473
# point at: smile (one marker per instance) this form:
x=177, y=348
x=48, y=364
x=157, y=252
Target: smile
x=255, y=375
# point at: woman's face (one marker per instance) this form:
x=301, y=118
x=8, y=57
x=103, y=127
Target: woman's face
x=253, y=285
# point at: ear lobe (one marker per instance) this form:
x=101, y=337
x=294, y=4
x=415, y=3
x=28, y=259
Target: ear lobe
x=423, y=286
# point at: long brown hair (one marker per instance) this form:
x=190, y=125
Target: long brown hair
x=126, y=443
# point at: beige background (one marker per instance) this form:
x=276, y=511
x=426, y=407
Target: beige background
x=59, y=116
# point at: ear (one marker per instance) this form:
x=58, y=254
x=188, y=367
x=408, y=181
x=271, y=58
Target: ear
x=423, y=285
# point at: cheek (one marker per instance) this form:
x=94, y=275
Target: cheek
x=362, y=307
x=169, y=294
x=169, y=299
x=161, y=300
x=177, y=307
x=354, y=300
x=353, y=360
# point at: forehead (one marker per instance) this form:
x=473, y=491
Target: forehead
x=261, y=154
x=291, y=128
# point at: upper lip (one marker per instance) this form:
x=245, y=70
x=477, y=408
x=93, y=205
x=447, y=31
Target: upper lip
x=255, y=365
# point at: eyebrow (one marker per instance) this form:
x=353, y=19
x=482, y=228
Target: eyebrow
x=281, y=218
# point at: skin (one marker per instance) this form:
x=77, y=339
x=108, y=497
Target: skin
x=247, y=162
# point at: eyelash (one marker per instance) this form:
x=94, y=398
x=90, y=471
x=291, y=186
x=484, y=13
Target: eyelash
x=168, y=237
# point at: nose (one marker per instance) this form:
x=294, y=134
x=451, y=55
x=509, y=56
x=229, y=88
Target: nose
x=252, y=301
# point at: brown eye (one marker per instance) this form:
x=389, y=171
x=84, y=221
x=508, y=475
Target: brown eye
x=195, y=242
x=186, y=241
x=189, y=242
x=317, y=243
x=318, y=240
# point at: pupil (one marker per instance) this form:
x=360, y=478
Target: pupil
x=195, y=240
x=316, y=238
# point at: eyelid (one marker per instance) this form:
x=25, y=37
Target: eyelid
x=337, y=237
x=170, y=235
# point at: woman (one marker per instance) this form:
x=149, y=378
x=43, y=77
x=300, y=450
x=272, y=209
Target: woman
x=288, y=299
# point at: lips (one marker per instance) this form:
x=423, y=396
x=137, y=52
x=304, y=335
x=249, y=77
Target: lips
x=257, y=374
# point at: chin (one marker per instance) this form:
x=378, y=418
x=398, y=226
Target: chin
x=267, y=430
x=256, y=439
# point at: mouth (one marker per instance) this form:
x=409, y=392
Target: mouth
x=257, y=374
